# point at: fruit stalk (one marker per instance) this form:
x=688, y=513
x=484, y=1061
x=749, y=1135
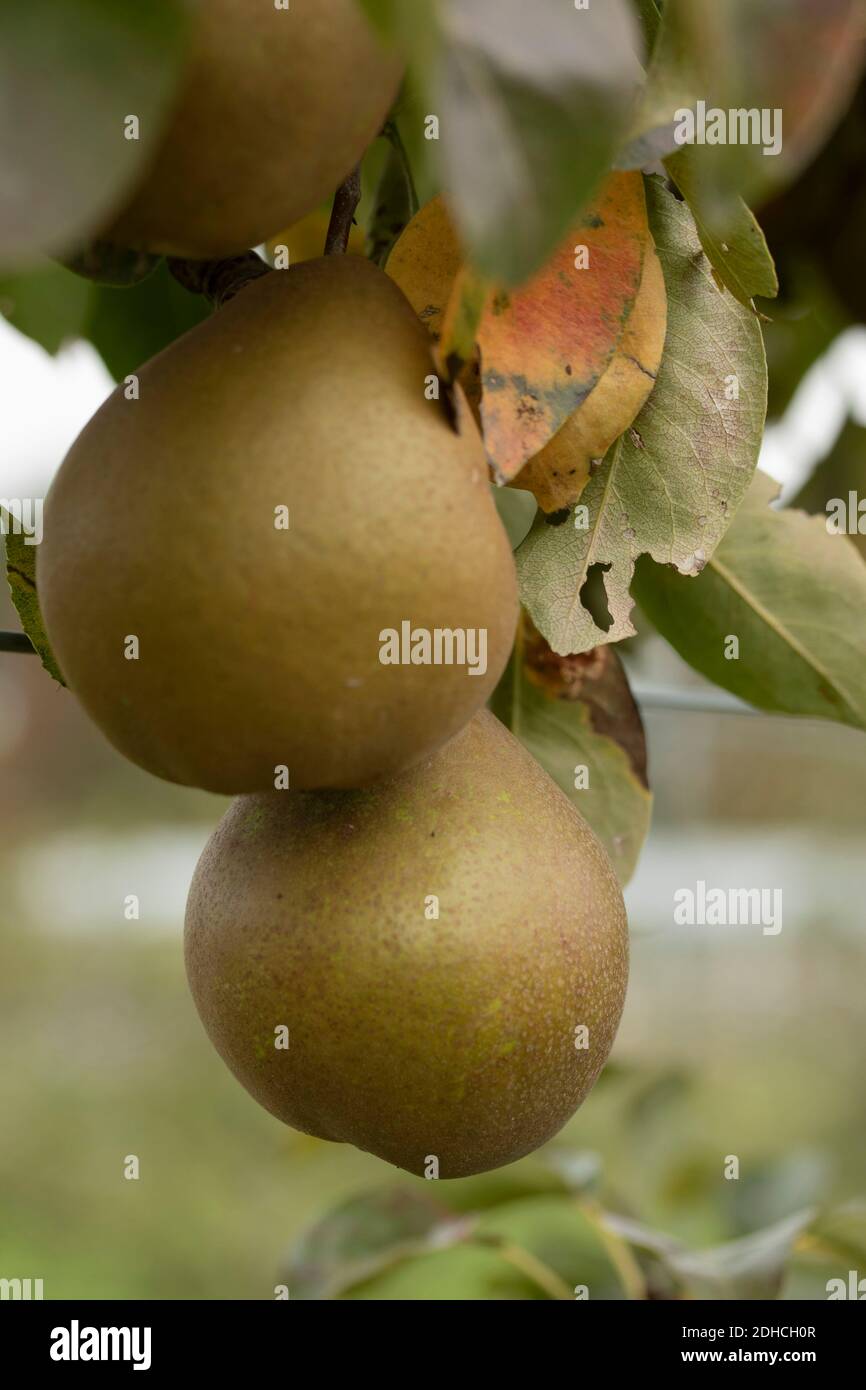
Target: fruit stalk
x=218, y=281
x=346, y=200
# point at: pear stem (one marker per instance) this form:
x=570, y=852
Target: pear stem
x=346, y=200
x=218, y=281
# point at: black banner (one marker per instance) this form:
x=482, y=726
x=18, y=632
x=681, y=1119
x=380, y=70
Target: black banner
x=65, y=1338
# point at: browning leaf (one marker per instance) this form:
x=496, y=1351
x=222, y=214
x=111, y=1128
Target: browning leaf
x=558, y=474
x=672, y=483
x=544, y=347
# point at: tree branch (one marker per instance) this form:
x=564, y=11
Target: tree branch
x=346, y=200
x=16, y=642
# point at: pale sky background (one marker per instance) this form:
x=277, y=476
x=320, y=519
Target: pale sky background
x=45, y=401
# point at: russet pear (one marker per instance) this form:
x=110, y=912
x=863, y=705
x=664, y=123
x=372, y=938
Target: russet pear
x=237, y=545
x=432, y=968
x=275, y=108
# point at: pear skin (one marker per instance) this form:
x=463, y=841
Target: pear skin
x=275, y=109
x=444, y=956
x=223, y=553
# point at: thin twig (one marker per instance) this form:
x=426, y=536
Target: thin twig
x=346, y=200
x=16, y=642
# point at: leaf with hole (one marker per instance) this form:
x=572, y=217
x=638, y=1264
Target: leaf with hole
x=671, y=484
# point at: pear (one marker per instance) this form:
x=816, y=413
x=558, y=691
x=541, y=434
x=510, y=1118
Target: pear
x=249, y=552
x=432, y=969
x=275, y=109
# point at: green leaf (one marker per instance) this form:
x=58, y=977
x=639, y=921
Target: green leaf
x=794, y=596
x=751, y=1268
x=534, y=1249
x=730, y=235
x=71, y=72
x=49, y=304
x=770, y=1188
x=21, y=575
x=126, y=326
x=561, y=1236
x=463, y=1274
x=670, y=85
x=129, y=326
x=396, y=200
x=389, y=17
x=841, y=1232
x=650, y=18
x=578, y=712
x=107, y=264
x=535, y=1176
x=361, y=1237
x=671, y=484
x=835, y=477
x=532, y=102
x=517, y=509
